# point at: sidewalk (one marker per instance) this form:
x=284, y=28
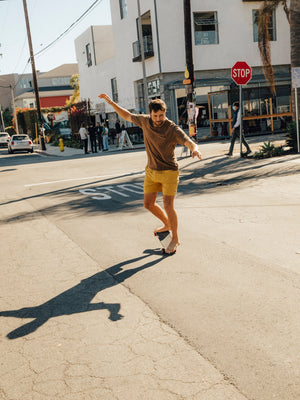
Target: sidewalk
x=70, y=152
x=223, y=146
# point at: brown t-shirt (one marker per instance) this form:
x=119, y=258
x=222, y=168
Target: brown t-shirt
x=160, y=142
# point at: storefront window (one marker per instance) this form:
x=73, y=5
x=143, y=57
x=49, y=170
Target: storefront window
x=282, y=104
x=153, y=88
x=262, y=112
x=219, y=105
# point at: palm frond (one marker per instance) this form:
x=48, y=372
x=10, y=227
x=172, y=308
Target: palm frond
x=264, y=18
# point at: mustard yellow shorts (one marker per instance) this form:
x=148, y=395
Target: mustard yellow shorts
x=161, y=181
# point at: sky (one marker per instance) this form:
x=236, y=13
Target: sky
x=48, y=20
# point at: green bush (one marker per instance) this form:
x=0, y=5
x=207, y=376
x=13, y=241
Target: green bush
x=74, y=142
x=10, y=130
x=268, y=150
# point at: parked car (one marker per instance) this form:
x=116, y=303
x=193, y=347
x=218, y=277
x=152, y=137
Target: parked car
x=20, y=143
x=4, y=139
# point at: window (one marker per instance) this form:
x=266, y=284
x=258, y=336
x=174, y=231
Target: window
x=114, y=89
x=88, y=54
x=154, y=88
x=272, y=26
x=147, y=38
x=123, y=8
x=25, y=83
x=206, y=27
x=60, y=81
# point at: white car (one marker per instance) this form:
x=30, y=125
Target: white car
x=4, y=139
x=20, y=143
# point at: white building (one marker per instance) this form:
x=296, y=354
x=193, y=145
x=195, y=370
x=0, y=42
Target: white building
x=223, y=32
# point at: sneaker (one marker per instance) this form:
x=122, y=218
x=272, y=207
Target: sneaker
x=228, y=154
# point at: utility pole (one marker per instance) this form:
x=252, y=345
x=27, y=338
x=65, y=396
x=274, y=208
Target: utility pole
x=12, y=95
x=35, y=83
x=14, y=108
x=3, y=126
x=141, y=40
x=189, y=69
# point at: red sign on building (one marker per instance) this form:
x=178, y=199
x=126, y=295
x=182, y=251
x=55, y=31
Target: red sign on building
x=241, y=73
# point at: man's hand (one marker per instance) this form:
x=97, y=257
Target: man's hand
x=196, y=153
x=106, y=98
x=192, y=146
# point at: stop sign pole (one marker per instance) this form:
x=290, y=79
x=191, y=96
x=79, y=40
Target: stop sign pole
x=241, y=74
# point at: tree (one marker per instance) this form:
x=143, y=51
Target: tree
x=75, y=98
x=7, y=117
x=293, y=15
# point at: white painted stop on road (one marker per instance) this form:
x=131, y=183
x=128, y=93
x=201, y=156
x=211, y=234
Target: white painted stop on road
x=241, y=73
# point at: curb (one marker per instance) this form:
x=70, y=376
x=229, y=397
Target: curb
x=61, y=154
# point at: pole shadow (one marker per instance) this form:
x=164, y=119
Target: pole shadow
x=78, y=298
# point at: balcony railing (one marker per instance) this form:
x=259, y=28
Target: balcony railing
x=148, y=49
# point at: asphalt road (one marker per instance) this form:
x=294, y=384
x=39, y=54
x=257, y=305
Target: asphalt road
x=232, y=289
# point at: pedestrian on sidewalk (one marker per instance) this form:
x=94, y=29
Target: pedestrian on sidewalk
x=84, y=138
x=92, y=134
x=105, y=137
x=236, y=122
x=161, y=137
x=99, y=130
x=118, y=132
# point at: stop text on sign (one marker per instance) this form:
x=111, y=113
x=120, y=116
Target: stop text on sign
x=241, y=73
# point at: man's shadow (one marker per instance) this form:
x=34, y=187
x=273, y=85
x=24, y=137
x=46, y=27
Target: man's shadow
x=78, y=298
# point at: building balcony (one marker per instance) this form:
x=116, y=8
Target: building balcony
x=148, y=49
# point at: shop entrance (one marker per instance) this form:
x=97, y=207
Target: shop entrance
x=262, y=112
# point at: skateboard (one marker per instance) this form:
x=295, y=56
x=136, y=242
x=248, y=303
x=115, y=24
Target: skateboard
x=164, y=239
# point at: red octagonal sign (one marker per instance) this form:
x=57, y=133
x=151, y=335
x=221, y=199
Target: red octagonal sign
x=241, y=73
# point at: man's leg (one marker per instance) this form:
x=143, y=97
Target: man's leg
x=172, y=221
x=245, y=143
x=151, y=205
x=100, y=140
x=233, y=139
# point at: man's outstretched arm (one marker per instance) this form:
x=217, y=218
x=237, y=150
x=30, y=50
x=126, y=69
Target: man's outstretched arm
x=193, y=147
x=122, y=112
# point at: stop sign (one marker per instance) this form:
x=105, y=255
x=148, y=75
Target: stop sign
x=241, y=73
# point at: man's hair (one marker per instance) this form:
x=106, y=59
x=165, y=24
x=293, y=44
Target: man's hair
x=237, y=104
x=157, y=105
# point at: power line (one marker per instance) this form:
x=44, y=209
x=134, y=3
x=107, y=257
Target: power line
x=70, y=27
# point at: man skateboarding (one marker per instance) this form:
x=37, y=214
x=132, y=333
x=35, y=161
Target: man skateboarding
x=161, y=174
